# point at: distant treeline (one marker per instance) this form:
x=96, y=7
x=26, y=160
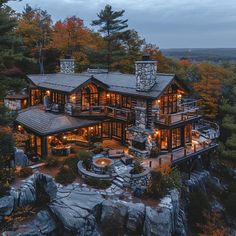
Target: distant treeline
x=216, y=55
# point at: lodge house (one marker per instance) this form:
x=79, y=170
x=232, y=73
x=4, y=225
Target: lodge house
x=144, y=111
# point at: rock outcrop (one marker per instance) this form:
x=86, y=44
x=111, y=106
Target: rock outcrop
x=75, y=210
x=81, y=211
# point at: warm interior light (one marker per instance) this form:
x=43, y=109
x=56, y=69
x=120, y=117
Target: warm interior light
x=64, y=137
x=91, y=128
x=179, y=95
x=48, y=92
x=108, y=95
x=158, y=101
x=49, y=137
x=19, y=126
x=73, y=97
x=102, y=162
x=157, y=132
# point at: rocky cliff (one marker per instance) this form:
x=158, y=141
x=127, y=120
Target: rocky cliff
x=77, y=210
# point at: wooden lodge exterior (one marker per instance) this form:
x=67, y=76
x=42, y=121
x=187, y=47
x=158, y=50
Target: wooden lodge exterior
x=146, y=111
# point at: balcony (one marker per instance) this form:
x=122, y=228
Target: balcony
x=182, y=154
x=187, y=110
x=203, y=140
x=111, y=112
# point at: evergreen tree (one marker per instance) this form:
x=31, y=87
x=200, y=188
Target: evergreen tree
x=34, y=26
x=112, y=26
x=10, y=44
x=228, y=116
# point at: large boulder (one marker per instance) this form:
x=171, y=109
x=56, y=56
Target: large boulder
x=135, y=219
x=35, y=188
x=163, y=220
x=45, y=223
x=150, y=227
x=113, y=217
x=6, y=206
x=74, y=210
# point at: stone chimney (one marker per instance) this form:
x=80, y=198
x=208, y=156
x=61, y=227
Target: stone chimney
x=67, y=65
x=145, y=72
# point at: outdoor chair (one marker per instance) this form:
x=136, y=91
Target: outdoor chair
x=116, y=153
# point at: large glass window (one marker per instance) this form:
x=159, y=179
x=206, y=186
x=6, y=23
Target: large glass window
x=168, y=103
x=117, y=129
x=39, y=147
x=117, y=100
x=176, y=137
x=188, y=133
x=164, y=139
x=89, y=97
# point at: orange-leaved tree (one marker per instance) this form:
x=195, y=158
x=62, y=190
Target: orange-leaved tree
x=72, y=37
x=209, y=87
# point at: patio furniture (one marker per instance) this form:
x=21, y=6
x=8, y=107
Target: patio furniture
x=61, y=150
x=116, y=153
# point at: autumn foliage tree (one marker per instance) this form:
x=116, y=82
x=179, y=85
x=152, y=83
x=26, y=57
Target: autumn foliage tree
x=209, y=88
x=72, y=37
x=34, y=26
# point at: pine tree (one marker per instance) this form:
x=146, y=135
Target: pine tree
x=112, y=26
x=10, y=44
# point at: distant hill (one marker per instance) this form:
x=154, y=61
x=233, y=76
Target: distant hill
x=215, y=55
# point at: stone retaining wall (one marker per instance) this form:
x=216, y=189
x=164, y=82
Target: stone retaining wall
x=88, y=174
x=140, y=180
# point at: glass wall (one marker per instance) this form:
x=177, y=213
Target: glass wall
x=176, y=137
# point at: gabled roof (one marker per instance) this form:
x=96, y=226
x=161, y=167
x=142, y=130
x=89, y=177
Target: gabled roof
x=113, y=81
x=45, y=123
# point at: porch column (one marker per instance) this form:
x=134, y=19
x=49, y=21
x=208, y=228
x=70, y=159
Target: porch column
x=123, y=133
x=170, y=140
x=44, y=146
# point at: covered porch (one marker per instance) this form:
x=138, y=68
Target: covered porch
x=60, y=134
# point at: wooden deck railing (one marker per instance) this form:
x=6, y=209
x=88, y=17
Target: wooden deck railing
x=113, y=112
x=186, y=110
x=180, y=155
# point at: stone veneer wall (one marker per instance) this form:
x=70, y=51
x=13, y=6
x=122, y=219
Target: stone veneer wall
x=67, y=66
x=140, y=180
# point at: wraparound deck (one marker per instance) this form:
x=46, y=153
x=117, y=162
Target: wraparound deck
x=180, y=155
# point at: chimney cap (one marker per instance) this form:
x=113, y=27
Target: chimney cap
x=67, y=56
x=146, y=56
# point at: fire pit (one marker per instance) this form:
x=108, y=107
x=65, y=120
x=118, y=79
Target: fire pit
x=101, y=165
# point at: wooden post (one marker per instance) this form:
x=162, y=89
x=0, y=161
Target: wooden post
x=150, y=164
x=160, y=162
x=185, y=152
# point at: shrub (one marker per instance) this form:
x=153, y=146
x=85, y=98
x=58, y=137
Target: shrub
x=159, y=183
x=25, y=172
x=65, y=175
x=98, y=183
x=155, y=152
x=137, y=168
x=72, y=163
x=52, y=161
x=97, y=148
x=85, y=156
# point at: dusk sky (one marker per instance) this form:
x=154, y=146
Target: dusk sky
x=166, y=23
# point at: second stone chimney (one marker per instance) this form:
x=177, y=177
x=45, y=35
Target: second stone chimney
x=145, y=72
x=67, y=65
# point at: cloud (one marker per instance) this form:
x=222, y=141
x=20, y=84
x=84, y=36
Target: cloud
x=172, y=23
